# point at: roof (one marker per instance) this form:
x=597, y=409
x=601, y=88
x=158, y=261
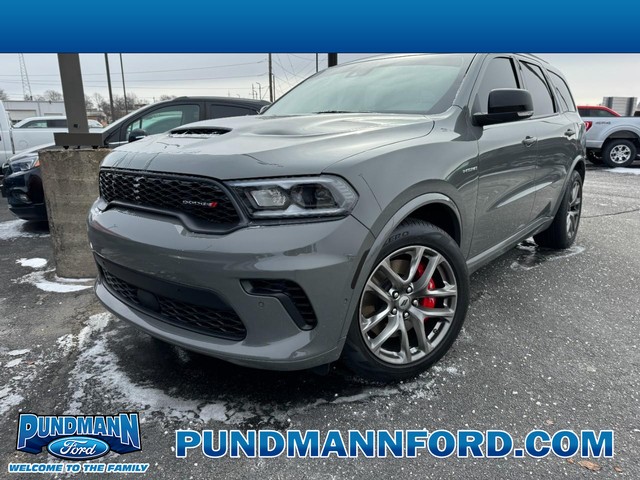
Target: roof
x=230, y=100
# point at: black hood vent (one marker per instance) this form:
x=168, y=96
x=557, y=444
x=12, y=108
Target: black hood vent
x=198, y=132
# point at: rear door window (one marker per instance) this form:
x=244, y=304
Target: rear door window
x=535, y=82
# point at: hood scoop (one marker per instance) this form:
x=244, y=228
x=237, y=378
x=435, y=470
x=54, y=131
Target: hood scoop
x=198, y=132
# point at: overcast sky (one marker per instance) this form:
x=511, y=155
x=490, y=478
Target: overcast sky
x=590, y=76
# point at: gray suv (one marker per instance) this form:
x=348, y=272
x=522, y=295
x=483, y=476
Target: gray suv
x=344, y=220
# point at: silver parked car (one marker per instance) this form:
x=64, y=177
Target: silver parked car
x=345, y=219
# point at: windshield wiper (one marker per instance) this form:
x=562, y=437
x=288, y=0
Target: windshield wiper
x=334, y=111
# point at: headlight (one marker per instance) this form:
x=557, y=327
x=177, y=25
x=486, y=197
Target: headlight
x=26, y=162
x=324, y=196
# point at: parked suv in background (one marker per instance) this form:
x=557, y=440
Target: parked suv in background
x=344, y=220
x=611, y=139
x=22, y=184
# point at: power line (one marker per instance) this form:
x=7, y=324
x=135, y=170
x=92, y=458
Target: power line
x=151, y=71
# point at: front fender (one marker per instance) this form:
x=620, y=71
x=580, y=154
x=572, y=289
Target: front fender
x=383, y=229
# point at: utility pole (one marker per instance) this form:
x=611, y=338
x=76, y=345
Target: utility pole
x=270, y=80
x=332, y=59
x=259, y=90
x=124, y=89
x=316, y=63
x=106, y=61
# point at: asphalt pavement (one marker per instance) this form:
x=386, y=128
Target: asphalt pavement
x=551, y=341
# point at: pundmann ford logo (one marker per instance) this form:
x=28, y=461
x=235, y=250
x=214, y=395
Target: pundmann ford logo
x=79, y=437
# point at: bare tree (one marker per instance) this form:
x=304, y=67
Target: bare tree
x=53, y=96
x=118, y=105
x=88, y=102
x=167, y=97
x=3, y=95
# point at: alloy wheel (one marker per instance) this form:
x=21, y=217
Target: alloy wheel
x=408, y=304
x=575, y=207
x=620, y=154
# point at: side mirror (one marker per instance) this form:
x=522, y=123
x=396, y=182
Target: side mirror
x=506, y=105
x=137, y=134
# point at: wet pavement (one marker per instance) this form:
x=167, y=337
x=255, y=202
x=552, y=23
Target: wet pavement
x=551, y=341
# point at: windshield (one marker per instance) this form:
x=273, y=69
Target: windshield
x=420, y=84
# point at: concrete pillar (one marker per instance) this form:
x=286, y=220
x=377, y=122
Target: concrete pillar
x=70, y=181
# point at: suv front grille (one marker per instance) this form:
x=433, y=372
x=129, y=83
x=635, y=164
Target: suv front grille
x=216, y=322
x=199, y=198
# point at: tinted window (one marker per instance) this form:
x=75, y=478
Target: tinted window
x=35, y=124
x=167, y=118
x=563, y=93
x=535, y=82
x=500, y=73
x=407, y=84
x=222, y=111
x=595, y=112
x=57, y=123
x=601, y=113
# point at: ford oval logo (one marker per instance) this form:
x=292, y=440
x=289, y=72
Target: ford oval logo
x=78, y=448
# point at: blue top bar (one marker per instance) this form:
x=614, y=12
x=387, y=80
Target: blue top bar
x=244, y=26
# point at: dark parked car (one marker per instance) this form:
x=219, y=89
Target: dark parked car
x=345, y=219
x=22, y=184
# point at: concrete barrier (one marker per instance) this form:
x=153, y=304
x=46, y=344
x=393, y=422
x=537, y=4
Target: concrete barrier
x=70, y=181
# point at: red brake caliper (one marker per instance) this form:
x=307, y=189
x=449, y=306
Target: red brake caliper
x=427, y=302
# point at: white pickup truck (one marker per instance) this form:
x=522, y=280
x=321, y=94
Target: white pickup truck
x=31, y=132
x=611, y=139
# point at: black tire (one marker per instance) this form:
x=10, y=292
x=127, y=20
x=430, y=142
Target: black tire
x=609, y=153
x=595, y=158
x=558, y=236
x=357, y=355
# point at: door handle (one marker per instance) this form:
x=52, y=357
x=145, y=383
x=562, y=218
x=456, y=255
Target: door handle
x=569, y=133
x=528, y=141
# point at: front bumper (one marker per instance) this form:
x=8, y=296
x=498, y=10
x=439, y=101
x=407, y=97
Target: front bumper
x=25, y=195
x=321, y=258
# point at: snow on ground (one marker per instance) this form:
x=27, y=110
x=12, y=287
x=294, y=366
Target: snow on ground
x=32, y=262
x=16, y=229
x=627, y=170
x=15, y=353
x=47, y=281
x=534, y=256
x=98, y=374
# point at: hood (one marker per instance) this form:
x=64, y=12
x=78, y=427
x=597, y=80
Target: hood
x=265, y=146
x=31, y=151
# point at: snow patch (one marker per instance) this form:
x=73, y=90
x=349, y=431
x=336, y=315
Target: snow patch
x=57, y=285
x=32, y=262
x=449, y=370
x=66, y=343
x=627, y=170
x=15, y=229
x=15, y=353
x=96, y=323
x=8, y=399
x=535, y=256
x=13, y=363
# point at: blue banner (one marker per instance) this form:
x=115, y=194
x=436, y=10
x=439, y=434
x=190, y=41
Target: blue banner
x=328, y=26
